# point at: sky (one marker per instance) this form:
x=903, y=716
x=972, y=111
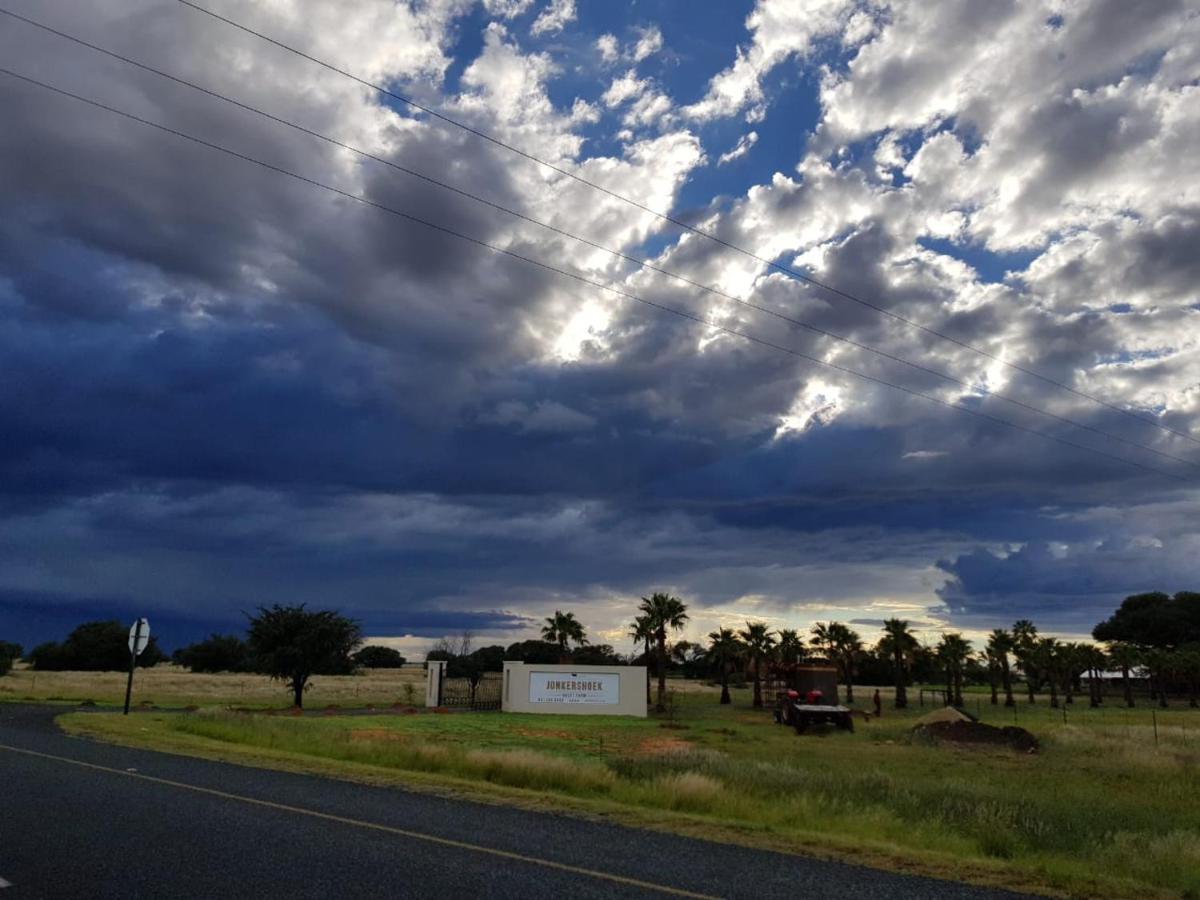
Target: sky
x=223, y=386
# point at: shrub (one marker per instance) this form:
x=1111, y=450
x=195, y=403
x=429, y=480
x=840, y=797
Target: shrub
x=94, y=647
x=373, y=656
x=217, y=653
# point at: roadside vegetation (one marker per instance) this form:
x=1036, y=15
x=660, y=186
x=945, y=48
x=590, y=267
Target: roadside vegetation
x=1101, y=810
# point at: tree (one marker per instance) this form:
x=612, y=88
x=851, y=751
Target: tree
x=759, y=641
x=791, y=646
x=94, y=647
x=216, y=653
x=954, y=651
x=291, y=644
x=664, y=613
x=1025, y=642
x=1046, y=655
x=1097, y=661
x=1125, y=657
x=1154, y=620
x=725, y=650
x=9, y=653
x=597, y=655
x=561, y=628
x=640, y=631
x=375, y=656
x=532, y=652
x=1000, y=644
x=843, y=647
x=900, y=645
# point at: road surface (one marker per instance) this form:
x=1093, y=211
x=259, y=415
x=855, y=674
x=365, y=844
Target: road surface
x=85, y=819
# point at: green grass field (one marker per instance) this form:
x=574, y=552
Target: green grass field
x=1102, y=810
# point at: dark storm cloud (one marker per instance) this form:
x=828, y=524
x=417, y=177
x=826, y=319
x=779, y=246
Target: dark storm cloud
x=220, y=387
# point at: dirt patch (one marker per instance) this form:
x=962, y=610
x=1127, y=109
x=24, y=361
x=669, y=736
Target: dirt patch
x=557, y=733
x=969, y=733
x=658, y=746
x=376, y=734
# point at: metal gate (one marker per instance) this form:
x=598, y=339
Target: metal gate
x=464, y=693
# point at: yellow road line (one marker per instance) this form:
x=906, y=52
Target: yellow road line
x=375, y=826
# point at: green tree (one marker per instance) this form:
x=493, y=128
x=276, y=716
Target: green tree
x=791, y=646
x=216, y=653
x=664, y=614
x=292, y=644
x=759, y=642
x=900, y=645
x=1025, y=643
x=1125, y=657
x=954, y=651
x=376, y=656
x=1047, y=657
x=843, y=647
x=94, y=647
x=725, y=651
x=561, y=628
x=641, y=632
x=1000, y=644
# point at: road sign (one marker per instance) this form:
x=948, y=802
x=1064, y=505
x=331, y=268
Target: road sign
x=139, y=636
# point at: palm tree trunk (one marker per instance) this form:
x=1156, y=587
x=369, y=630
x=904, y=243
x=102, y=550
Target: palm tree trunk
x=958, y=681
x=757, y=686
x=849, y=681
x=725, y=698
x=661, y=705
x=1006, y=677
x=1053, y=693
x=901, y=701
x=1127, y=685
x=995, y=686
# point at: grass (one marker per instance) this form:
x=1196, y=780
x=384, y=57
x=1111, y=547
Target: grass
x=1101, y=811
x=169, y=685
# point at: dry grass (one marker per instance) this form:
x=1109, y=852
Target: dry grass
x=169, y=685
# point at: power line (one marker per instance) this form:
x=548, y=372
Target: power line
x=583, y=279
x=700, y=232
x=586, y=241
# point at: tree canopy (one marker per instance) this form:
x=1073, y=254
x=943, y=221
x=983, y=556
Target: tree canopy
x=292, y=644
x=1154, y=620
x=376, y=656
x=216, y=653
x=94, y=647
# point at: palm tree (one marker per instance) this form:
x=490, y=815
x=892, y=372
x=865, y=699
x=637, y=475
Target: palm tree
x=1000, y=644
x=843, y=646
x=900, y=644
x=561, y=628
x=759, y=641
x=724, y=649
x=1025, y=640
x=954, y=651
x=1047, y=656
x=791, y=646
x=665, y=613
x=1094, y=662
x=641, y=632
x=1125, y=656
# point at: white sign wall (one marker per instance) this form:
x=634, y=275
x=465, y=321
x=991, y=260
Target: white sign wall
x=602, y=688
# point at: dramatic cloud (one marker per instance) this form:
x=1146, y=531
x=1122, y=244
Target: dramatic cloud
x=222, y=386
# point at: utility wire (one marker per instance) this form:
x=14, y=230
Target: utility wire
x=583, y=279
x=643, y=263
x=700, y=232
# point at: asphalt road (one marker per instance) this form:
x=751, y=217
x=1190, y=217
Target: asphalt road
x=85, y=819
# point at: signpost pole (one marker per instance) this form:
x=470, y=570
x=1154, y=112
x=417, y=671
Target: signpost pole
x=133, y=655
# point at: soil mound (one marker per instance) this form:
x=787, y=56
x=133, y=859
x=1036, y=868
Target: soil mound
x=945, y=714
x=965, y=731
